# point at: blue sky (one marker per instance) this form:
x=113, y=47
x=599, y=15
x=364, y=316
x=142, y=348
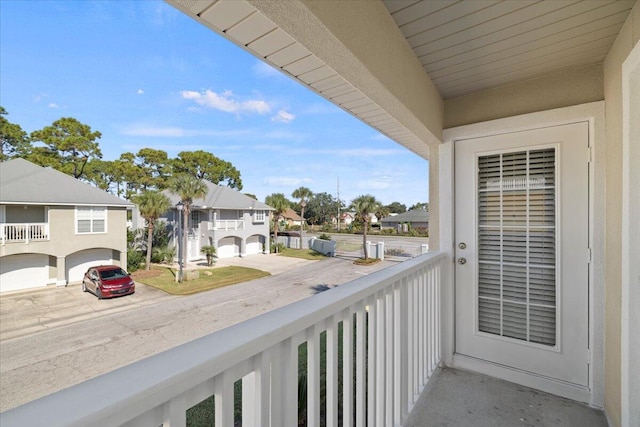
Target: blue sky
x=146, y=75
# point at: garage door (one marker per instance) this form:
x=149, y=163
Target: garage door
x=253, y=245
x=23, y=272
x=228, y=247
x=78, y=263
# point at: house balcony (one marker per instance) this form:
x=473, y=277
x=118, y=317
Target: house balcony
x=226, y=225
x=24, y=233
x=297, y=366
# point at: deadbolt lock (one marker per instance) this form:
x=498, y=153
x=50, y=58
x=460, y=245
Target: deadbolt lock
x=462, y=261
x=462, y=245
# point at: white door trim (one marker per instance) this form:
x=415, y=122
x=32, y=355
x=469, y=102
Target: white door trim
x=594, y=114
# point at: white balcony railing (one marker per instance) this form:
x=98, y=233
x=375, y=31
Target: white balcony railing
x=227, y=224
x=385, y=360
x=24, y=232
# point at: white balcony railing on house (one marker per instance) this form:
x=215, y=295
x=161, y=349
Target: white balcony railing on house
x=393, y=316
x=24, y=232
x=227, y=224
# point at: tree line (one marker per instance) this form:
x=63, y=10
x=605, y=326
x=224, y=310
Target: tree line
x=72, y=147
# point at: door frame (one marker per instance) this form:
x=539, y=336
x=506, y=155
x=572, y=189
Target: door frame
x=593, y=113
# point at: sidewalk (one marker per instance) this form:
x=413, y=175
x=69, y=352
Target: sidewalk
x=272, y=263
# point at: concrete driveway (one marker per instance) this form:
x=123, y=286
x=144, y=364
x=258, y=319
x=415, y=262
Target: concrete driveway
x=29, y=312
x=54, y=347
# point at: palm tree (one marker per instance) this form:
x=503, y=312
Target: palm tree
x=382, y=212
x=279, y=203
x=188, y=188
x=304, y=194
x=151, y=204
x=364, y=206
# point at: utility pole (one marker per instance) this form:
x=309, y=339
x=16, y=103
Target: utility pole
x=338, y=203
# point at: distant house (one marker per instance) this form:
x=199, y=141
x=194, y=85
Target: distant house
x=53, y=227
x=234, y=223
x=347, y=218
x=418, y=218
x=292, y=218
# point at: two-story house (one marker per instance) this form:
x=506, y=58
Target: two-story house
x=53, y=227
x=234, y=223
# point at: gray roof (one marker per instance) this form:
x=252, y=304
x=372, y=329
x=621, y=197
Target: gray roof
x=417, y=215
x=22, y=182
x=222, y=197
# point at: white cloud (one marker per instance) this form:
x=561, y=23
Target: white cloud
x=262, y=69
x=375, y=183
x=226, y=101
x=53, y=105
x=286, y=181
x=140, y=92
x=178, y=132
x=39, y=97
x=283, y=117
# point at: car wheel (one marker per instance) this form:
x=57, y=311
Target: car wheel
x=84, y=286
x=98, y=292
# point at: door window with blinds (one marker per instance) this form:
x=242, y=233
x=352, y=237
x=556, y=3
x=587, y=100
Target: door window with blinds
x=517, y=233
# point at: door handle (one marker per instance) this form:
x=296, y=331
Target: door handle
x=462, y=261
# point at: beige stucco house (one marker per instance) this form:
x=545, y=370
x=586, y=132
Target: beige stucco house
x=53, y=227
x=528, y=114
x=234, y=223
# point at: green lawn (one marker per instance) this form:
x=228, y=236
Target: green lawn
x=302, y=253
x=165, y=279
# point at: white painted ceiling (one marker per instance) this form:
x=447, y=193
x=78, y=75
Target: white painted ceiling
x=468, y=46
x=464, y=46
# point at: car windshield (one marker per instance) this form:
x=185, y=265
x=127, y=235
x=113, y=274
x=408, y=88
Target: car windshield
x=116, y=273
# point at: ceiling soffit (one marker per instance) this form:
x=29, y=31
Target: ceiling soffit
x=243, y=24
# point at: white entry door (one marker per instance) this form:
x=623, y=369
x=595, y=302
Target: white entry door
x=522, y=255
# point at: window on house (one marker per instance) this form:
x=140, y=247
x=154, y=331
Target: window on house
x=259, y=216
x=91, y=219
x=240, y=214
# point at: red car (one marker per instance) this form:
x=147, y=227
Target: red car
x=107, y=281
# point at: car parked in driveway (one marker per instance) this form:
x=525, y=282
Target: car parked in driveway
x=107, y=281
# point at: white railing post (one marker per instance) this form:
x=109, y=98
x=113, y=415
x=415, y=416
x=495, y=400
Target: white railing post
x=332, y=373
x=361, y=331
x=347, y=369
x=395, y=313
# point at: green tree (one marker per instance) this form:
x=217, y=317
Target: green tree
x=322, y=207
x=151, y=204
x=68, y=146
x=188, y=188
x=382, y=212
x=364, y=206
x=101, y=173
x=419, y=205
x=279, y=203
x=155, y=168
x=204, y=165
x=303, y=194
x=396, y=207
x=14, y=142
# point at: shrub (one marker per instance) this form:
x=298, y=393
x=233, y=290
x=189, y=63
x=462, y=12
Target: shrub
x=327, y=227
x=134, y=259
x=163, y=255
x=324, y=236
x=277, y=247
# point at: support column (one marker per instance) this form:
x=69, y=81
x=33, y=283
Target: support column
x=61, y=271
x=243, y=247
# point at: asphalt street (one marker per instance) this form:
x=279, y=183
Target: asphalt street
x=41, y=354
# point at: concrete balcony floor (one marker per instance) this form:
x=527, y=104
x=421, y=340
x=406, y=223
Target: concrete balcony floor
x=458, y=398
